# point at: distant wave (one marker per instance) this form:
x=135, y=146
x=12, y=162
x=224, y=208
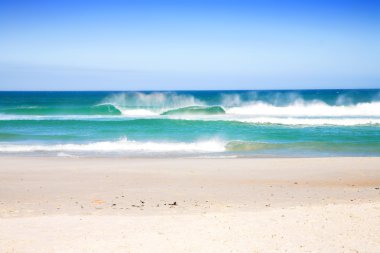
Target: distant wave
x=151, y=104
x=296, y=109
x=290, y=108
x=196, y=110
x=275, y=104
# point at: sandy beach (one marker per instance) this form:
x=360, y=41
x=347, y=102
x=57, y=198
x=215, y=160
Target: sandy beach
x=189, y=205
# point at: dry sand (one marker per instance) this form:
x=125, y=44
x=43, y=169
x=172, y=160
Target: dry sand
x=189, y=205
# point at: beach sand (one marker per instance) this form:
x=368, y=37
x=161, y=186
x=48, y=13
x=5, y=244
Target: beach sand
x=189, y=205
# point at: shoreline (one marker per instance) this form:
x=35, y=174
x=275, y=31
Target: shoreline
x=59, y=204
x=178, y=157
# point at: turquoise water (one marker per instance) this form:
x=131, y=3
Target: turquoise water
x=191, y=123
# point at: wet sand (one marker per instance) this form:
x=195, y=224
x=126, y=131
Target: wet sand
x=189, y=205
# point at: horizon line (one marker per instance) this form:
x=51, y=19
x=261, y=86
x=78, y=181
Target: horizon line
x=184, y=90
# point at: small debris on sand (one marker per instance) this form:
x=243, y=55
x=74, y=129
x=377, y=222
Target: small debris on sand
x=98, y=201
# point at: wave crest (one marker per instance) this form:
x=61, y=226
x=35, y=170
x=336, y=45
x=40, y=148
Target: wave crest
x=288, y=108
x=196, y=110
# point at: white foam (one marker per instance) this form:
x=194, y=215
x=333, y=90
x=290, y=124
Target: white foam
x=138, y=112
x=122, y=145
x=312, y=121
x=61, y=154
x=337, y=121
x=300, y=108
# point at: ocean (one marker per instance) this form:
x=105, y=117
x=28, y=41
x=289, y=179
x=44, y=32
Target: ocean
x=291, y=123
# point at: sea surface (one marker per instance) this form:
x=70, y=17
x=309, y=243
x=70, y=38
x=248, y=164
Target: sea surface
x=293, y=123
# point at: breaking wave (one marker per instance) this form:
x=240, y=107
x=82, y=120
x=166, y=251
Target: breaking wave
x=288, y=108
x=294, y=121
x=310, y=109
x=196, y=110
x=120, y=146
x=128, y=147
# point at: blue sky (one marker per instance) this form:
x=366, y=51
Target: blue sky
x=166, y=45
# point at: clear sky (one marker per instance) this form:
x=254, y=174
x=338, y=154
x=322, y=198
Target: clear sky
x=165, y=45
